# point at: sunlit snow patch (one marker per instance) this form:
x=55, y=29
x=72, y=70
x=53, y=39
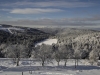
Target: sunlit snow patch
x=47, y=42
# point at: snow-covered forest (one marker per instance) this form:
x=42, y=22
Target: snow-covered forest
x=25, y=49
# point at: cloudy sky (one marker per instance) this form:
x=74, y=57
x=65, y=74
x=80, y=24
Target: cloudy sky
x=83, y=13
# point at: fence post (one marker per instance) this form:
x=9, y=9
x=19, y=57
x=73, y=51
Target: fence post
x=22, y=73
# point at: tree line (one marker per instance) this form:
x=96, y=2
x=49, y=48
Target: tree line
x=85, y=46
x=46, y=53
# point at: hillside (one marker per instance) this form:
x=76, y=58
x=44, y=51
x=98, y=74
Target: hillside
x=85, y=41
x=20, y=35
x=81, y=39
x=77, y=50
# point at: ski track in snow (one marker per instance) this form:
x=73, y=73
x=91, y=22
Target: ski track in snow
x=9, y=29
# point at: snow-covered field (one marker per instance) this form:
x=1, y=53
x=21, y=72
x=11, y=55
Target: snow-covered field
x=8, y=68
x=47, y=42
x=33, y=67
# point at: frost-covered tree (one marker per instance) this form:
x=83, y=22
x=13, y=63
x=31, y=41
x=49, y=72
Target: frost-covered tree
x=29, y=45
x=16, y=52
x=76, y=57
x=57, y=54
x=43, y=53
x=93, y=56
x=66, y=53
x=77, y=53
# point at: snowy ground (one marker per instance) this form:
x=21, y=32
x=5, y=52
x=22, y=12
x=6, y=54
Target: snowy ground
x=48, y=42
x=8, y=68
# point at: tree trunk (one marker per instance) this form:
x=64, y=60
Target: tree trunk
x=58, y=63
x=22, y=73
x=65, y=63
x=17, y=62
x=42, y=63
x=75, y=63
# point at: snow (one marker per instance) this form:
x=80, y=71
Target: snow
x=4, y=29
x=47, y=42
x=11, y=28
x=33, y=67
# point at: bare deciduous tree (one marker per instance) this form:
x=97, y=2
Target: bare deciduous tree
x=57, y=54
x=42, y=53
x=16, y=52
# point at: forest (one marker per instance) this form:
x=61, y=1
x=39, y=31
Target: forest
x=72, y=44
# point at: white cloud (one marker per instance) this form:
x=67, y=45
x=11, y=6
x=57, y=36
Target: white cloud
x=34, y=11
x=65, y=4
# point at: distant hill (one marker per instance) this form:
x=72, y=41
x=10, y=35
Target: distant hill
x=64, y=34
x=12, y=33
